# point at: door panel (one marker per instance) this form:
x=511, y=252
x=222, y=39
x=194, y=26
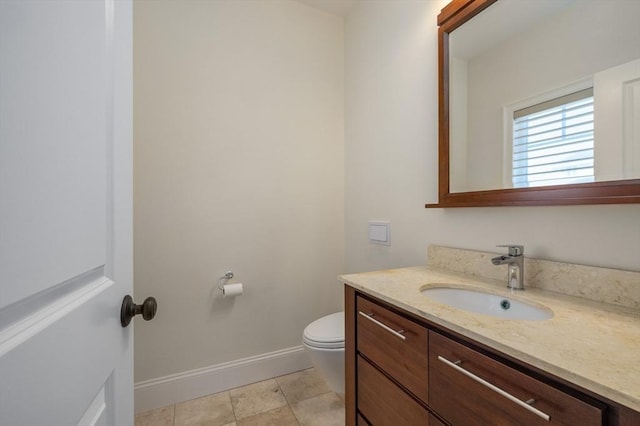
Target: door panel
x=65, y=212
x=53, y=164
x=96, y=414
x=60, y=369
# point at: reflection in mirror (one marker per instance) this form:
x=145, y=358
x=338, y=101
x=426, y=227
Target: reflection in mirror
x=545, y=93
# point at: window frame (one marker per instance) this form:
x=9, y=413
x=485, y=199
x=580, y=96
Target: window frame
x=508, y=121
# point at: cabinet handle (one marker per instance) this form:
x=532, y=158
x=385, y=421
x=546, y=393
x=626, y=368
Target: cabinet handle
x=386, y=327
x=494, y=388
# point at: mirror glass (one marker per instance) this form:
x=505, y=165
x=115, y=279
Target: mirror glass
x=544, y=93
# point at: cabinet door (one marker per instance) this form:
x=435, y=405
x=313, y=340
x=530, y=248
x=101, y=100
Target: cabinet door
x=461, y=399
x=395, y=344
x=383, y=403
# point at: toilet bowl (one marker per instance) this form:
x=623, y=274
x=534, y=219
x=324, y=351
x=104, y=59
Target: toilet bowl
x=323, y=340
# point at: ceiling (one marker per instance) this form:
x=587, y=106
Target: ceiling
x=337, y=7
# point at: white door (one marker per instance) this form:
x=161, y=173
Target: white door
x=65, y=212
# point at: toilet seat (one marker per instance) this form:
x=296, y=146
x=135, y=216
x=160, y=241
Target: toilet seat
x=326, y=332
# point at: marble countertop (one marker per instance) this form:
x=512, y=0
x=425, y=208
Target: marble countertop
x=594, y=345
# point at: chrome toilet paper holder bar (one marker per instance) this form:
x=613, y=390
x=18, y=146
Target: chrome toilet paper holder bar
x=226, y=277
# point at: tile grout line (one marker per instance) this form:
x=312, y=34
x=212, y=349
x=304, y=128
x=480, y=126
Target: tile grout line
x=233, y=410
x=287, y=399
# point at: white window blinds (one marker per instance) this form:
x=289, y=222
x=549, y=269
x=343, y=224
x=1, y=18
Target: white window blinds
x=553, y=141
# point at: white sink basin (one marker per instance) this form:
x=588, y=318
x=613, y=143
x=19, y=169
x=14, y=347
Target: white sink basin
x=487, y=304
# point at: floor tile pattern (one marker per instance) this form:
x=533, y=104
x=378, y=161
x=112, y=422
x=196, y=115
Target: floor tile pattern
x=297, y=399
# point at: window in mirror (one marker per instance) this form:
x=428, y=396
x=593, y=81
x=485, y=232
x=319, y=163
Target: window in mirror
x=552, y=142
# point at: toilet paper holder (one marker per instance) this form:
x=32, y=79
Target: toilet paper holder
x=226, y=277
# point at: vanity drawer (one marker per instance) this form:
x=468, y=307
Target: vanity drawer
x=395, y=344
x=463, y=400
x=382, y=402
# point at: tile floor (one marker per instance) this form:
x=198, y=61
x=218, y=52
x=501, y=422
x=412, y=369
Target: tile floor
x=297, y=399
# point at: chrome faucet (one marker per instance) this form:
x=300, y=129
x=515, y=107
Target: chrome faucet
x=515, y=260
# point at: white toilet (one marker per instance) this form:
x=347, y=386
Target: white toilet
x=324, y=341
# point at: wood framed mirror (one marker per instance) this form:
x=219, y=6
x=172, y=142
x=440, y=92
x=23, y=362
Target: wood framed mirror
x=608, y=191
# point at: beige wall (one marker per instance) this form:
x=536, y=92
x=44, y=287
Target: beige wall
x=391, y=160
x=239, y=142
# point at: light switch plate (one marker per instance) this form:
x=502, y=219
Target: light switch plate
x=380, y=232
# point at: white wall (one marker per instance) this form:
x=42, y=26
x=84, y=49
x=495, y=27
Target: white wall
x=239, y=165
x=391, y=160
x=458, y=132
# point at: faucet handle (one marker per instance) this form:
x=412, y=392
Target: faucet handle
x=514, y=249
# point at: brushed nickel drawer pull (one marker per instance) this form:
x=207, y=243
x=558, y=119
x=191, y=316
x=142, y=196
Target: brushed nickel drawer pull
x=496, y=389
x=397, y=333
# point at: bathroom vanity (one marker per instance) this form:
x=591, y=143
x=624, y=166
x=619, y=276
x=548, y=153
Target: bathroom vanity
x=413, y=361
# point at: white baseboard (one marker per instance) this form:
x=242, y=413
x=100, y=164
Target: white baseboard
x=193, y=384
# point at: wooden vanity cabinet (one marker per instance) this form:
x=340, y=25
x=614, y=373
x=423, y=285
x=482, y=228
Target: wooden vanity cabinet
x=402, y=370
x=382, y=402
x=469, y=388
x=395, y=344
